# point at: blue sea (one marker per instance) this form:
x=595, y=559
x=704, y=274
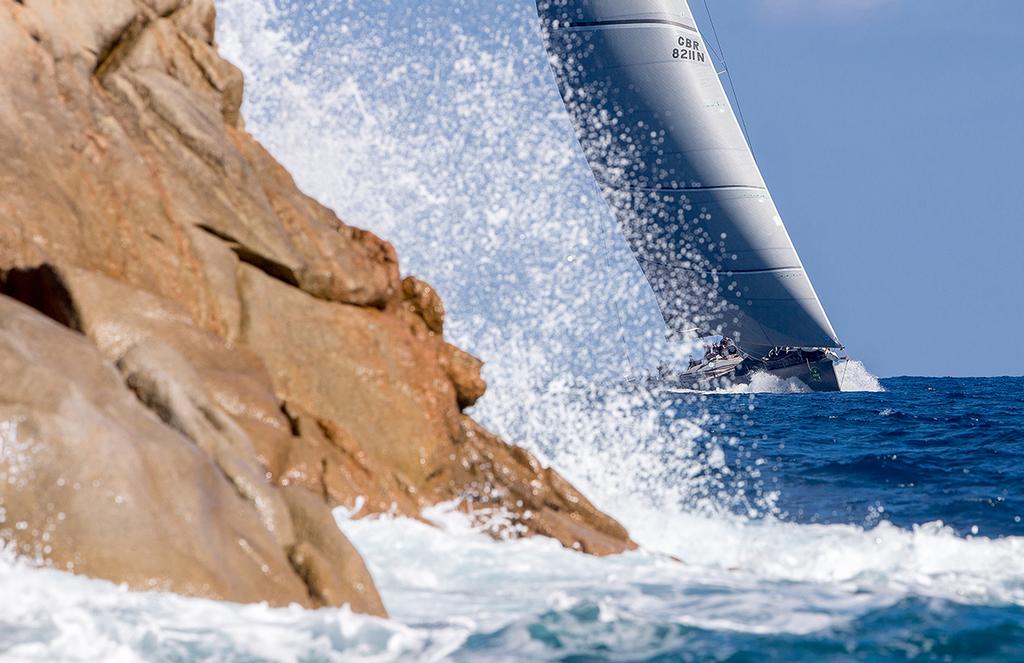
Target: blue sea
x=864, y=526
x=924, y=450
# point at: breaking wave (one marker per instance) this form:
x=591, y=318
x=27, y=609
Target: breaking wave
x=456, y=594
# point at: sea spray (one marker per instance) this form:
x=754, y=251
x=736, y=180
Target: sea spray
x=448, y=137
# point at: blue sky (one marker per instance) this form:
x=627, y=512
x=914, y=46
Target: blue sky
x=890, y=132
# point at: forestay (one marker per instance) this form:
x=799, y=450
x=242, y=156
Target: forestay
x=662, y=138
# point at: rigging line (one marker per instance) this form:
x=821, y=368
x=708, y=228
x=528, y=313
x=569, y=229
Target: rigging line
x=714, y=31
x=732, y=85
x=718, y=55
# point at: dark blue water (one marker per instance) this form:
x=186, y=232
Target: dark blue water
x=925, y=450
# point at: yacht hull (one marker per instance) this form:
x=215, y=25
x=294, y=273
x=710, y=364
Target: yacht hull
x=818, y=374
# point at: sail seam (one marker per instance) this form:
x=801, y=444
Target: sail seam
x=724, y=187
x=631, y=21
x=724, y=272
x=771, y=270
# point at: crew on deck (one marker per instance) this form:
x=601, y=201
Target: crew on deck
x=721, y=350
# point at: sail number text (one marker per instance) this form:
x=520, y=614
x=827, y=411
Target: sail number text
x=688, y=49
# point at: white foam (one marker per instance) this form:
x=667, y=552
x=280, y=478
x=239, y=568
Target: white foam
x=758, y=577
x=771, y=576
x=766, y=383
x=854, y=376
x=49, y=615
x=446, y=584
x=929, y=560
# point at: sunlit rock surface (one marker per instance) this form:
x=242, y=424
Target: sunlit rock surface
x=224, y=359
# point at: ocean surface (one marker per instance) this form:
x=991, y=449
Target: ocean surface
x=864, y=526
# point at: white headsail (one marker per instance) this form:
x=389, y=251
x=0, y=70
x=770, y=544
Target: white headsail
x=663, y=140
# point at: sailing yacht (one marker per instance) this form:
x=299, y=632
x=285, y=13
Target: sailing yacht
x=655, y=123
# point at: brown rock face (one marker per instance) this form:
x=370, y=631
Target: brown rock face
x=464, y=371
x=224, y=359
x=93, y=482
x=424, y=301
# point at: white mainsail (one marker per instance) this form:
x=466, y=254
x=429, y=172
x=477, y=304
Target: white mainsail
x=660, y=133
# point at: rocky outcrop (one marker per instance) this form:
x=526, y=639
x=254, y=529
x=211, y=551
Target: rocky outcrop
x=92, y=481
x=213, y=359
x=424, y=301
